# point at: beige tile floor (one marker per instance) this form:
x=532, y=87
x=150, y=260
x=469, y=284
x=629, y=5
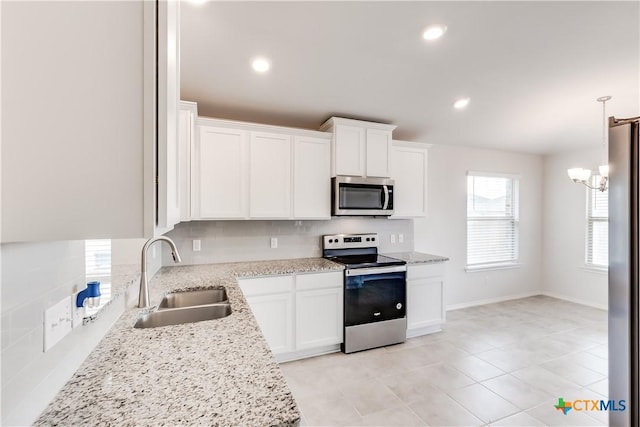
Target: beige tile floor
x=503, y=364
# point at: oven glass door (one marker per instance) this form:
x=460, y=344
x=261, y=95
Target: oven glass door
x=374, y=297
x=362, y=196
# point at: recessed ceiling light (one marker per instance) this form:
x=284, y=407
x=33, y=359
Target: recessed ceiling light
x=461, y=103
x=198, y=1
x=434, y=32
x=261, y=65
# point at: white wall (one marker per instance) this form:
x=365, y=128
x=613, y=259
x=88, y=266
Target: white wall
x=443, y=232
x=564, y=218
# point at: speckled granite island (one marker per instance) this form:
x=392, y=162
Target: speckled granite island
x=216, y=373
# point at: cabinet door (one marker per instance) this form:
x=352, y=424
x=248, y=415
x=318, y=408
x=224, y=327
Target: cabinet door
x=270, y=170
x=378, y=147
x=274, y=314
x=318, y=318
x=186, y=143
x=311, y=178
x=221, y=173
x=85, y=170
x=425, y=296
x=349, y=150
x=424, y=302
x=169, y=190
x=409, y=171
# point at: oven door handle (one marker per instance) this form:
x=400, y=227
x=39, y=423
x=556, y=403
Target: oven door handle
x=374, y=270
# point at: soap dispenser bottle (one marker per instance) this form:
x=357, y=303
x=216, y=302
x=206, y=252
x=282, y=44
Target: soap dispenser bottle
x=89, y=297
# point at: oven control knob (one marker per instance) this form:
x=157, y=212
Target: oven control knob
x=373, y=239
x=368, y=239
x=330, y=240
x=398, y=306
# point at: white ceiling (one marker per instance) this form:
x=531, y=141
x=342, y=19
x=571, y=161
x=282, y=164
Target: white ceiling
x=533, y=70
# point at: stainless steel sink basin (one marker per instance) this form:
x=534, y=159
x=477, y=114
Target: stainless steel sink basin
x=193, y=298
x=183, y=315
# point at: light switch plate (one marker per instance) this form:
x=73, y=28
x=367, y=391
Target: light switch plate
x=274, y=243
x=196, y=245
x=393, y=238
x=77, y=312
x=57, y=322
x=400, y=238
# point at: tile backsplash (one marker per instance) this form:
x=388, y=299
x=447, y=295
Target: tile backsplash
x=232, y=241
x=35, y=276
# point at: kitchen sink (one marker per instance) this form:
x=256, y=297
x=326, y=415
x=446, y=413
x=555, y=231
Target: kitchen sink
x=193, y=298
x=179, y=316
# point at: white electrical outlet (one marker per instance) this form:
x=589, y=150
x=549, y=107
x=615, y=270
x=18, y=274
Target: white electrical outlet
x=393, y=238
x=57, y=322
x=196, y=245
x=274, y=243
x=400, y=238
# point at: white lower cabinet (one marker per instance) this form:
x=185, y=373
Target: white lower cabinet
x=425, y=299
x=273, y=313
x=319, y=299
x=300, y=315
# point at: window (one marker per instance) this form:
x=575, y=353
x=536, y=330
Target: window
x=597, y=247
x=97, y=263
x=97, y=259
x=492, y=220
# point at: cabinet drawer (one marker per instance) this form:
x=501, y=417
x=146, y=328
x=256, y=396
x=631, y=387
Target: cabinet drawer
x=425, y=270
x=319, y=280
x=266, y=285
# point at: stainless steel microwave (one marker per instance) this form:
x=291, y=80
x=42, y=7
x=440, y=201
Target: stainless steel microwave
x=356, y=196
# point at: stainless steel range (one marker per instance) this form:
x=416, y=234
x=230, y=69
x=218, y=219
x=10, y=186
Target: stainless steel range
x=375, y=291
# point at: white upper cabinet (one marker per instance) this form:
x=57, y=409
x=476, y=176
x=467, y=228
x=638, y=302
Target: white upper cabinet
x=220, y=173
x=350, y=151
x=169, y=171
x=409, y=171
x=250, y=171
x=311, y=178
x=84, y=168
x=270, y=171
x=378, y=148
x=174, y=191
x=186, y=142
x=359, y=148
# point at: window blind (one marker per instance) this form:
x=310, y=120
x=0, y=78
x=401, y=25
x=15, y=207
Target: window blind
x=597, y=239
x=97, y=258
x=492, y=220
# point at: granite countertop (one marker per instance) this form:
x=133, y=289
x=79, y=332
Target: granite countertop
x=418, y=257
x=217, y=373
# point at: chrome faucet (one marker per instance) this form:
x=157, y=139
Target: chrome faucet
x=143, y=297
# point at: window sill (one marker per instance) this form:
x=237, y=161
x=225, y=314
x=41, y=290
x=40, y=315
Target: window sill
x=492, y=267
x=598, y=270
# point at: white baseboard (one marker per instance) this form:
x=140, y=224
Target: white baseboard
x=412, y=333
x=491, y=300
x=576, y=300
x=303, y=354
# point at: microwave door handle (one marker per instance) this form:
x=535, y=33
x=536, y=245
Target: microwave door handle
x=386, y=197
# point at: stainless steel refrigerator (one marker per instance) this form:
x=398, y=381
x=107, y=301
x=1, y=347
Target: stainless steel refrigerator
x=623, y=269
